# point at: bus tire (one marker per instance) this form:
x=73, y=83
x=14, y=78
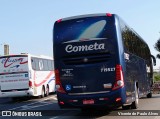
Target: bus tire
x=126, y=107
x=149, y=95
x=134, y=104
x=47, y=90
x=43, y=92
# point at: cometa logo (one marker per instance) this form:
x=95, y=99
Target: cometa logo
x=96, y=46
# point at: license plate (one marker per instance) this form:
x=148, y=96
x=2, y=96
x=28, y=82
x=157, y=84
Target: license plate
x=86, y=102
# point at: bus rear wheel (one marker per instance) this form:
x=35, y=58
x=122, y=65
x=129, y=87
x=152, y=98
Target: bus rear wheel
x=126, y=107
x=43, y=92
x=47, y=91
x=134, y=104
x=149, y=95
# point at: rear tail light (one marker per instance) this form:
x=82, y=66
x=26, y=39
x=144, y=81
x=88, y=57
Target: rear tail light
x=59, y=87
x=61, y=103
x=119, y=83
x=30, y=83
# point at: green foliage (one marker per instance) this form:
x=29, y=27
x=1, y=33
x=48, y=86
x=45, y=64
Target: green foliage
x=156, y=76
x=157, y=47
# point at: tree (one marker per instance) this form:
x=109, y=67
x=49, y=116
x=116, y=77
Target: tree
x=157, y=47
x=156, y=77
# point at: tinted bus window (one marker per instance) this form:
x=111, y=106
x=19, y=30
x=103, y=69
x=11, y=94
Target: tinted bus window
x=33, y=63
x=50, y=65
x=85, y=29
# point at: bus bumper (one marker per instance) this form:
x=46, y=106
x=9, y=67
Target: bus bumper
x=110, y=99
x=16, y=93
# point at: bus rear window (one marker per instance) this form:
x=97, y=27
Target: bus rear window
x=83, y=29
x=17, y=63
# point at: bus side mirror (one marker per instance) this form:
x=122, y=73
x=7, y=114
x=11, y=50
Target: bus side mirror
x=154, y=60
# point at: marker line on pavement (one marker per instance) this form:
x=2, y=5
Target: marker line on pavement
x=31, y=107
x=27, y=105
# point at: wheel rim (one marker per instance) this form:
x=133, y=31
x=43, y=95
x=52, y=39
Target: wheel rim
x=136, y=96
x=47, y=91
x=42, y=92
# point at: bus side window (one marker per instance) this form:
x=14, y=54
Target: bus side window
x=33, y=63
x=125, y=37
x=45, y=65
x=50, y=64
x=41, y=64
x=129, y=39
x=37, y=64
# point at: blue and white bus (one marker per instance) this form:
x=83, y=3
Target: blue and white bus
x=100, y=61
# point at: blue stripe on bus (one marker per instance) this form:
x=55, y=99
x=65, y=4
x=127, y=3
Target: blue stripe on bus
x=53, y=78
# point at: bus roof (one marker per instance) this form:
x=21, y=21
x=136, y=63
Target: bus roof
x=101, y=14
x=26, y=54
x=83, y=16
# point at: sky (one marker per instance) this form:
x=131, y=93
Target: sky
x=27, y=25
